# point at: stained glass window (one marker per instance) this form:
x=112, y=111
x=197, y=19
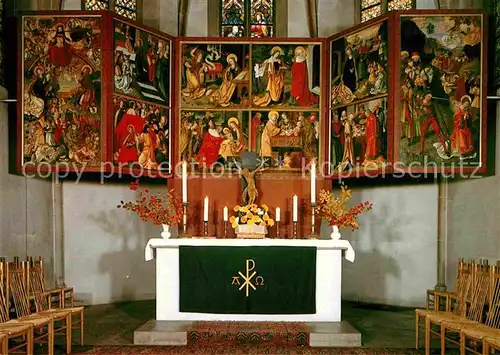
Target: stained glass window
x=373, y=8
x=245, y=18
x=91, y=5
x=126, y=8
x=400, y=5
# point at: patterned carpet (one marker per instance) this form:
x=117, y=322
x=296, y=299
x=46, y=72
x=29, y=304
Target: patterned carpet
x=240, y=350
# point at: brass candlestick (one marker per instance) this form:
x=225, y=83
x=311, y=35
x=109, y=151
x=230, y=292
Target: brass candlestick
x=313, y=234
x=184, y=219
x=225, y=229
x=277, y=229
x=205, y=228
x=294, y=231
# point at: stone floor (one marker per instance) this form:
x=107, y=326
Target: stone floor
x=380, y=326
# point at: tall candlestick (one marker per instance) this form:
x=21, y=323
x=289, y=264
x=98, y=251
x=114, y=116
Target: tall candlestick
x=205, y=210
x=225, y=213
x=278, y=214
x=184, y=182
x=313, y=183
x=295, y=208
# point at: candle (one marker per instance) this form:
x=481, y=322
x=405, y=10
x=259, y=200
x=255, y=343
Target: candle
x=205, y=210
x=313, y=183
x=295, y=208
x=225, y=212
x=184, y=182
x=278, y=212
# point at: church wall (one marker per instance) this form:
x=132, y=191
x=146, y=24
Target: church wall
x=396, y=250
x=26, y=223
x=472, y=220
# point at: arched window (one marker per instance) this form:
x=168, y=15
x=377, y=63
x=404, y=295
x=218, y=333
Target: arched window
x=247, y=18
x=125, y=8
x=373, y=8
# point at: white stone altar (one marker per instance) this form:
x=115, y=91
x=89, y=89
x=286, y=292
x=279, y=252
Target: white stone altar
x=329, y=257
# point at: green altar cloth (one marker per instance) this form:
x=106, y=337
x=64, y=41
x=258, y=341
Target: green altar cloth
x=247, y=280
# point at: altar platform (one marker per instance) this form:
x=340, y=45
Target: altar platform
x=315, y=334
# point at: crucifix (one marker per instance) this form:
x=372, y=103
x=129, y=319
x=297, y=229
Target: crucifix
x=251, y=165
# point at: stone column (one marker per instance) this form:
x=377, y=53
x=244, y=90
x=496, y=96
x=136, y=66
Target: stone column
x=442, y=233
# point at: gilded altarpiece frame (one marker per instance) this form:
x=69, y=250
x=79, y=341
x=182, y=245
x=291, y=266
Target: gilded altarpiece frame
x=359, y=132
x=244, y=95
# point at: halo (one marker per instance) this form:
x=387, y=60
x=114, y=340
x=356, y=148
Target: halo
x=233, y=56
x=466, y=97
x=233, y=120
x=301, y=49
x=87, y=66
x=38, y=69
x=226, y=130
x=133, y=128
x=273, y=113
x=277, y=49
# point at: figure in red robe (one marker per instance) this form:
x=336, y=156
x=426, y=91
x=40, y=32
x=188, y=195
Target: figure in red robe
x=60, y=54
x=259, y=29
x=371, y=136
x=151, y=58
x=429, y=120
x=209, y=151
x=461, y=137
x=300, y=80
x=129, y=149
x=256, y=122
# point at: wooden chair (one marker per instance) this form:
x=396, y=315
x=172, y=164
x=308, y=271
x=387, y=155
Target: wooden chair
x=473, y=314
x=4, y=343
x=489, y=344
x=16, y=274
x=63, y=296
x=9, y=330
x=434, y=298
x=463, y=289
x=42, y=300
x=476, y=334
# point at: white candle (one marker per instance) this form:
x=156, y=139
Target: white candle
x=225, y=213
x=184, y=182
x=313, y=183
x=278, y=212
x=295, y=208
x=205, y=210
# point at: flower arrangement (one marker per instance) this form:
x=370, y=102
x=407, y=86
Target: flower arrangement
x=251, y=215
x=159, y=208
x=333, y=208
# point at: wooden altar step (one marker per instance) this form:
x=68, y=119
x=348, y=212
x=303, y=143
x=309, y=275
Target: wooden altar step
x=290, y=334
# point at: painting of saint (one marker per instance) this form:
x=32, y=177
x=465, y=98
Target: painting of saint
x=440, y=106
x=61, y=108
x=358, y=137
x=142, y=63
x=287, y=139
x=286, y=75
x=358, y=65
x=141, y=137
x=213, y=140
x=214, y=75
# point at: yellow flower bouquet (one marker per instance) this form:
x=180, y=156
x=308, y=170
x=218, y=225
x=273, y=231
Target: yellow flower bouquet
x=251, y=221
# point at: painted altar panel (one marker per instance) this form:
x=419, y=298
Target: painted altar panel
x=142, y=64
x=286, y=75
x=359, y=124
x=213, y=140
x=142, y=141
x=288, y=140
x=251, y=82
x=61, y=121
x=440, y=118
x=215, y=75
